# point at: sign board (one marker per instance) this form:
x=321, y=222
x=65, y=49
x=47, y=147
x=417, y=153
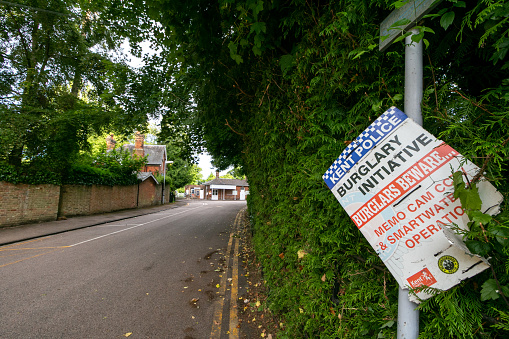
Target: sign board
x=412, y=12
x=394, y=181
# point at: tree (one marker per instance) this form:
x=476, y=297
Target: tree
x=58, y=82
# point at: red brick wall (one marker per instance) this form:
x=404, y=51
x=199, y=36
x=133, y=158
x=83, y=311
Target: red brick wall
x=85, y=200
x=154, y=169
x=20, y=204
x=108, y=198
x=75, y=200
x=149, y=193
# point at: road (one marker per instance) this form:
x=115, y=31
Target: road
x=169, y=274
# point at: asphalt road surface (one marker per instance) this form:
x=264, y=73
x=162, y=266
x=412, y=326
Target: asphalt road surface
x=171, y=274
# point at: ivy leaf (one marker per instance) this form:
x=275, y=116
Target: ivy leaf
x=398, y=23
x=478, y=247
x=447, y=20
x=501, y=234
x=479, y=217
x=470, y=199
x=259, y=27
x=418, y=37
x=399, y=4
x=389, y=324
x=490, y=290
x=457, y=179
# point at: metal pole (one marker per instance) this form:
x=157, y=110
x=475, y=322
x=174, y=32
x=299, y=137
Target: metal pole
x=413, y=78
x=408, y=314
x=164, y=182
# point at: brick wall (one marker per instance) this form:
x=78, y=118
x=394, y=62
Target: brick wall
x=107, y=198
x=85, y=200
x=154, y=169
x=20, y=204
x=149, y=193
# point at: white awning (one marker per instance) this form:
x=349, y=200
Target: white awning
x=223, y=187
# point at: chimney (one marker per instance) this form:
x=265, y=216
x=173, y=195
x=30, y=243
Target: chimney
x=217, y=174
x=110, y=142
x=139, y=140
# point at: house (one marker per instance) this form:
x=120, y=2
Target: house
x=156, y=161
x=156, y=154
x=219, y=189
x=195, y=191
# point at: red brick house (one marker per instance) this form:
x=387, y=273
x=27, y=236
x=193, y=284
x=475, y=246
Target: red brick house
x=156, y=161
x=156, y=154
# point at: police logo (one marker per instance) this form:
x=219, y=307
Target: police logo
x=448, y=264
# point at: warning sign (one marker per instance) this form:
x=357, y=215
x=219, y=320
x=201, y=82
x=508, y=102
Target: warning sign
x=395, y=183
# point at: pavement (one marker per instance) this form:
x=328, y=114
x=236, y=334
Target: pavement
x=13, y=234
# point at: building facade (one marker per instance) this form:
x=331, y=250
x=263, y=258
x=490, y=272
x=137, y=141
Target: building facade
x=219, y=189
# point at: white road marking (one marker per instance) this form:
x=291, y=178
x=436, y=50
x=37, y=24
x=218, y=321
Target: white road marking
x=130, y=228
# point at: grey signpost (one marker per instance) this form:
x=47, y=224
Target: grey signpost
x=408, y=314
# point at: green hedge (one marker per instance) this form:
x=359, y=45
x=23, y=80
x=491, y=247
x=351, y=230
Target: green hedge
x=302, y=102
x=107, y=168
x=281, y=87
x=88, y=175
x=28, y=175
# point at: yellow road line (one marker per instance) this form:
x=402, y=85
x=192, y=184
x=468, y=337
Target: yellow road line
x=218, y=312
x=234, y=320
x=34, y=256
x=31, y=248
x=23, y=243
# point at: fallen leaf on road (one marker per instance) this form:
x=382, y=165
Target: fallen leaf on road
x=218, y=285
x=128, y=334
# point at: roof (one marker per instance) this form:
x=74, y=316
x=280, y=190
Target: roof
x=155, y=153
x=145, y=175
x=232, y=182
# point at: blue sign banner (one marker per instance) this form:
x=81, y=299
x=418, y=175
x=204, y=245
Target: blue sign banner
x=367, y=140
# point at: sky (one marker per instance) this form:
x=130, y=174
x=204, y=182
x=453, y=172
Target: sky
x=204, y=159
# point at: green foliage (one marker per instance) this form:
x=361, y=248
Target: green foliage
x=59, y=82
x=28, y=175
x=280, y=88
x=115, y=167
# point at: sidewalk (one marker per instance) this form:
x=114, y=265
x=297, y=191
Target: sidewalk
x=9, y=235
